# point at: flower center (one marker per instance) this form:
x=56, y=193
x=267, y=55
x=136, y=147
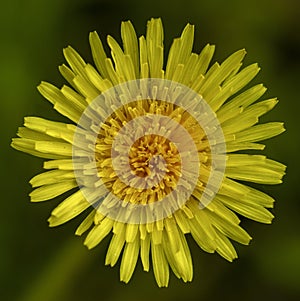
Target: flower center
x=155, y=158
x=145, y=166
x=144, y=147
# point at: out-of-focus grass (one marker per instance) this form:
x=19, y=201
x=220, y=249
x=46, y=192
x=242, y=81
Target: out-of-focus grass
x=33, y=34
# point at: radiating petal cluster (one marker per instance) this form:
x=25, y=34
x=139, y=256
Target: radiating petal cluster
x=212, y=225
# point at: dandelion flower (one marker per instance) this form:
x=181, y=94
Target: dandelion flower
x=149, y=154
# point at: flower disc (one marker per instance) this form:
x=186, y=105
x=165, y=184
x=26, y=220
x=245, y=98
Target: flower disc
x=135, y=162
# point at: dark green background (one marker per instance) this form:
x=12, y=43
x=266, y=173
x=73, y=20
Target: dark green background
x=43, y=264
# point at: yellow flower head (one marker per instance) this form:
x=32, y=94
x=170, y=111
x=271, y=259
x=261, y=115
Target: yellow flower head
x=151, y=150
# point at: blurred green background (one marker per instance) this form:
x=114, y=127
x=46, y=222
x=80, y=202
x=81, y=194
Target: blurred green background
x=42, y=264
